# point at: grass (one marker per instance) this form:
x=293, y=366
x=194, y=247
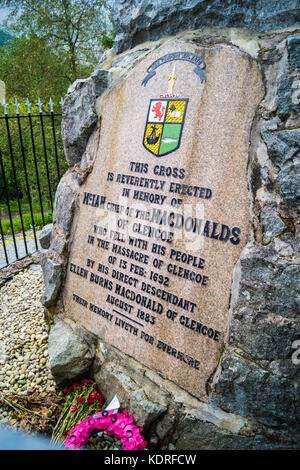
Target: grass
x=26, y=215
x=14, y=207
x=27, y=223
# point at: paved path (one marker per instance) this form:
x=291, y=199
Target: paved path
x=10, y=247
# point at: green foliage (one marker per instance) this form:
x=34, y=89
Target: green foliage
x=4, y=37
x=78, y=30
x=107, y=40
x=31, y=69
x=27, y=223
x=39, y=194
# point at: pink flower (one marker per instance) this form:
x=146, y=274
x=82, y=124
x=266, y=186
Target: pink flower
x=80, y=400
x=119, y=424
x=74, y=409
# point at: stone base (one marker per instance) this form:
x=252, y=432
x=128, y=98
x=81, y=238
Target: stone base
x=171, y=417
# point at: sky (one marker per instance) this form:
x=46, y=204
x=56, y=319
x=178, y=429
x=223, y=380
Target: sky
x=3, y=14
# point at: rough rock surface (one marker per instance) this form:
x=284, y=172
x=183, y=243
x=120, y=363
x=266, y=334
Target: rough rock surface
x=286, y=100
x=79, y=119
x=293, y=45
x=136, y=22
x=101, y=80
x=267, y=283
x=79, y=113
x=272, y=224
x=52, y=273
x=194, y=433
x=70, y=355
x=284, y=151
x=65, y=204
x=45, y=236
x=249, y=390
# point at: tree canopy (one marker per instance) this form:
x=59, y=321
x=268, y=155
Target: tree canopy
x=52, y=43
x=78, y=30
x=31, y=69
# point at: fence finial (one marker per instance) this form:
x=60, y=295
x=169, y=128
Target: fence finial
x=28, y=104
x=17, y=106
x=39, y=103
x=4, y=106
x=51, y=105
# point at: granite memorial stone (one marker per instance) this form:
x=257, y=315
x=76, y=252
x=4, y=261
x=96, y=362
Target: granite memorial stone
x=163, y=217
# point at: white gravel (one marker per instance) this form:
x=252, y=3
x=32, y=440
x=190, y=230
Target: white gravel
x=24, y=365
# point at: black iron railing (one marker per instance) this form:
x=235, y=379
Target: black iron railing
x=31, y=164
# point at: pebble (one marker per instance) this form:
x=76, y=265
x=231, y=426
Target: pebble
x=24, y=363
x=24, y=358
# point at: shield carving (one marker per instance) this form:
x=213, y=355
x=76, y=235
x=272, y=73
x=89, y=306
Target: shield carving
x=164, y=125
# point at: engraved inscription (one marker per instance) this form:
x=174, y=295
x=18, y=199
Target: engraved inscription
x=163, y=217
